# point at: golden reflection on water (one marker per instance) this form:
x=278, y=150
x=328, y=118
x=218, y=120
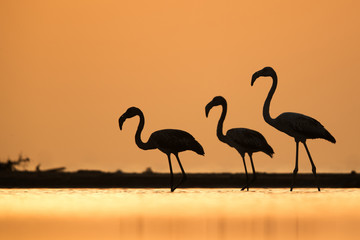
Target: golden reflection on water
x=184, y=214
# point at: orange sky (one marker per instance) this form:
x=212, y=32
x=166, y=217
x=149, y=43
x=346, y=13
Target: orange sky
x=69, y=69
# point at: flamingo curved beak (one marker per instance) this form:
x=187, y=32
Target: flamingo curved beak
x=121, y=121
x=254, y=77
x=208, y=108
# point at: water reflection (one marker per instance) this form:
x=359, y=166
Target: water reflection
x=185, y=214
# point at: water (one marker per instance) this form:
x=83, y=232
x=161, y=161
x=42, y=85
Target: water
x=185, y=214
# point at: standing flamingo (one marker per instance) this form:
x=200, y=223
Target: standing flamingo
x=296, y=125
x=242, y=139
x=167, y=141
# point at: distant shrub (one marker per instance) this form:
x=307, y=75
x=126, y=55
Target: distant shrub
x=148, y=170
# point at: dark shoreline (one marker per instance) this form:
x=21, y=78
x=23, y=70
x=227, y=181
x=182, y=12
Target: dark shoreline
x=98, y=179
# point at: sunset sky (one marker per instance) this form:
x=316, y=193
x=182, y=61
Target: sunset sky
x=69, y=69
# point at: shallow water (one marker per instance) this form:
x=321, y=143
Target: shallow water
x=184, y=214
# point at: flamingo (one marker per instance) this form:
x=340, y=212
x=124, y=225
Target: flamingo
x=242, y=139
x=168, y=141
x=296, y=125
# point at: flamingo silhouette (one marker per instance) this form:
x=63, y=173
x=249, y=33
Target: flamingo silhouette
x=242, y=139
x=167, y=141
x=296, y=125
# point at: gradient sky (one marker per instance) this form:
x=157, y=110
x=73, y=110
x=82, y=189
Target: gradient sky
x=69, y=69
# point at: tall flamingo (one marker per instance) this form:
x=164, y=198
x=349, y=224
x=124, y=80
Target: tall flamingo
x=296, y=125
x=168, y=141
x=242, y=139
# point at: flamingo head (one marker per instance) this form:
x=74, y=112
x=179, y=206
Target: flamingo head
x=131, y=112
x=218, y=100
x=265, y=72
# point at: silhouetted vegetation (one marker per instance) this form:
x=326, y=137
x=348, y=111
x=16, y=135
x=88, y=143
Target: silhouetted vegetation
x=148, y=170
x=12, y=177
x=119, y=179
x=11, y=166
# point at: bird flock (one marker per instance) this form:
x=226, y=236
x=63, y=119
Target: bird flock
x=244, y=140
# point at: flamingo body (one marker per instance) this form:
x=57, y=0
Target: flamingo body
x=302, y=127
x=174, y=141
x=249, y=141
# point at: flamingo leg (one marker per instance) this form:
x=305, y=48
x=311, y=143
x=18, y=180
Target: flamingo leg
x=184, y=177
x=253, y=169
x=171, y=175
x=246, y=173
x=312, y=165
x=296, y=165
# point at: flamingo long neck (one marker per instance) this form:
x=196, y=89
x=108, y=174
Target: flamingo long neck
x=266, y=109
x=139, y=142
x=219, y=130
